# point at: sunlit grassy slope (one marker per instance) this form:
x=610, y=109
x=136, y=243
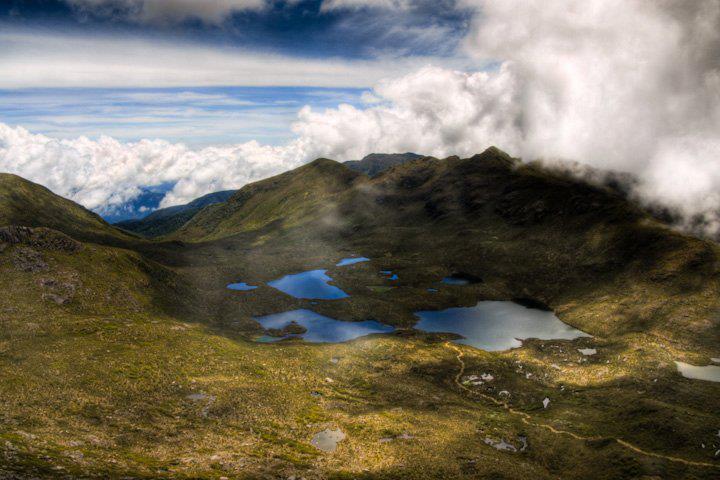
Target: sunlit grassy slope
x=29, y=204
x=128, y=358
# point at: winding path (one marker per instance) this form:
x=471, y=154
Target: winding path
x=527, y=419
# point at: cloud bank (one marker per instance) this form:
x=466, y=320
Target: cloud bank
x=632, y=85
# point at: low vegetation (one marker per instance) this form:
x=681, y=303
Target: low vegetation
x=123, y=357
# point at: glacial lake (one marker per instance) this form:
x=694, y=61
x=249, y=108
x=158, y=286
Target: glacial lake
x=710, y=373
x=242, y=286
x=351, y=261
x=320, y=329
x=312, y=284
x=493, y=326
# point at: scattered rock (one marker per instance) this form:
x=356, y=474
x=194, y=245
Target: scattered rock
x=327, y=440
x=29, y=260
x=44, y=238
x=587, y=351
x=500, y=445
x=546, y=402
x=58, y=299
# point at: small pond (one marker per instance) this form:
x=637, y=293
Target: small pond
x=319, y=328
x=311, y=284
x=242, y=286
x=496, y=325
x=351, y=261
x=389, y=275
x=461, y=279
x=710, y=373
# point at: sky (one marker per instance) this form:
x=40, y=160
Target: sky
x=105, y=100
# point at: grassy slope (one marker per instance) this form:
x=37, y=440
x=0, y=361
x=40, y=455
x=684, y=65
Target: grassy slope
x=287, y=199
x=28, y=204
x=99, y=386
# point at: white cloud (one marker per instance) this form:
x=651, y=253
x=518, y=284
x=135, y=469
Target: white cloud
x=104, y=173
x=618, y=84
x=433, y=111
x=33, y=58
x=212, y=12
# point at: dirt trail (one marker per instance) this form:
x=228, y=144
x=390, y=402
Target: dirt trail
x=527, y=419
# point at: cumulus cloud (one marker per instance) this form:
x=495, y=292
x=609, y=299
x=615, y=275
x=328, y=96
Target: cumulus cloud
x=104, y=173
x=211, y=12
x=434, y=111
x=631, y=85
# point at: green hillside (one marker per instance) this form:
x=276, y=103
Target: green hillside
x=287, y=199
x=29, y=204
x=127, y=358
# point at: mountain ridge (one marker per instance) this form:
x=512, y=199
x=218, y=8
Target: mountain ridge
x=166, y=220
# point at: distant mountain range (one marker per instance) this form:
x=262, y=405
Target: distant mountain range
x=166, y=220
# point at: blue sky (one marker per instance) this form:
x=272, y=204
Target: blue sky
x=196, y=116
x=279, y=58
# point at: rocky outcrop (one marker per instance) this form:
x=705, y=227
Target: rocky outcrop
x=41, y=238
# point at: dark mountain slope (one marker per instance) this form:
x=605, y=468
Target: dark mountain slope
x=374, y=164
x=167, y=220
x=528, y=232
x=24, y=203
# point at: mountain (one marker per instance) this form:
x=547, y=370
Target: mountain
x=24, y=203
x=541, y=233
x=376, y=163
x=123, y=357
x=287, y=198
x=167, y=220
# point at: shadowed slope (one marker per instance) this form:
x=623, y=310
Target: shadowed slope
x=527, y=231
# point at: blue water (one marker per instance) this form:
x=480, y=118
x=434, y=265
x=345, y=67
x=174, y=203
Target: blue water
x=455, y=281
x=351, y=261
x=241, y=286
x=496, y=325
x=311, y=284
x=389, y=274
x=320, y=329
